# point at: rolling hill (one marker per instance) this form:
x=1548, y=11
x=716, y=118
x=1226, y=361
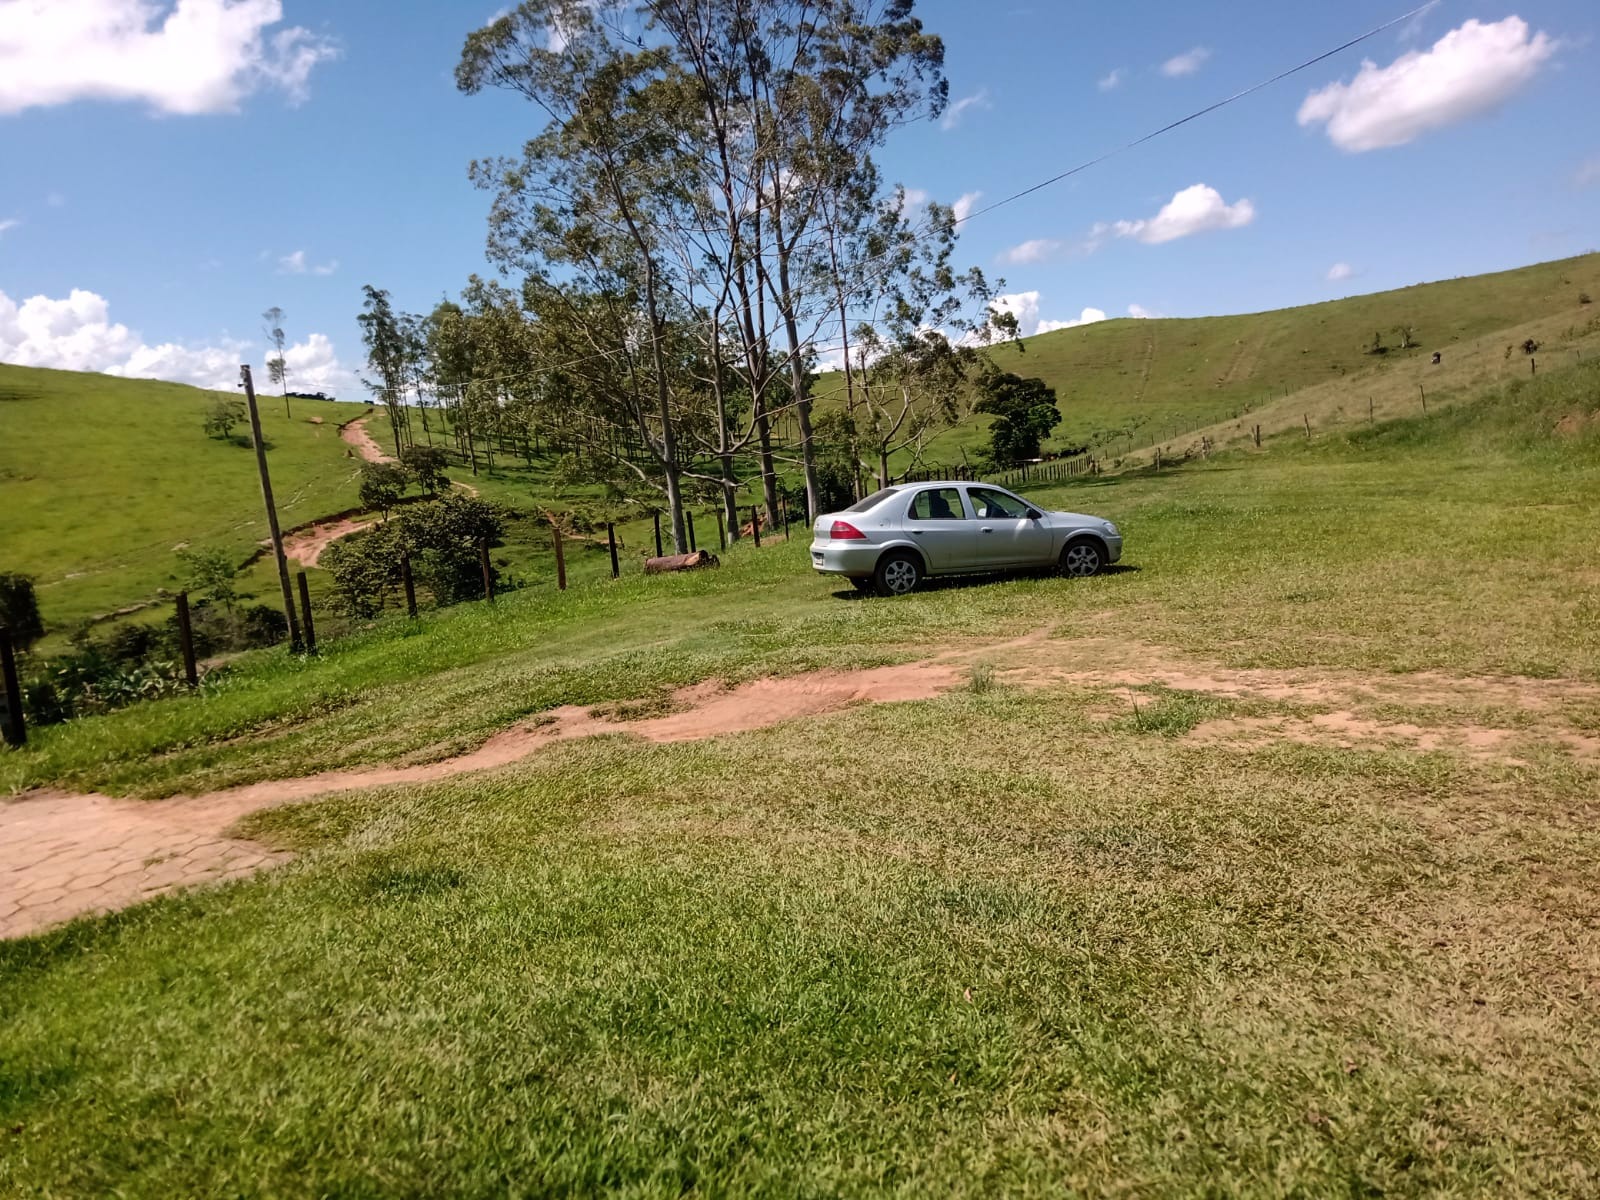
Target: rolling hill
x=103, y=479
x=1139, y=380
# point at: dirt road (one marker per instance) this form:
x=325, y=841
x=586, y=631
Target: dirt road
x=63, y=855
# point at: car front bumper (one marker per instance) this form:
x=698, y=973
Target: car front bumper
x=857, y=559
x=1113, y=549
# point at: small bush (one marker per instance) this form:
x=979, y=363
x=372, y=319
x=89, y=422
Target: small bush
x=19, y=610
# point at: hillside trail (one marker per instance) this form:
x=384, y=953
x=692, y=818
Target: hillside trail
x=64, y=855
x=305, y=545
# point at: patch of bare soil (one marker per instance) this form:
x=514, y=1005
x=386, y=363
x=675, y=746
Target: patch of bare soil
x=64, y=855
x=1111, y=663
x=355, y=434
x=305, y=546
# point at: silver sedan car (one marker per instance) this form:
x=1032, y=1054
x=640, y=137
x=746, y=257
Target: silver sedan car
x=895, y=538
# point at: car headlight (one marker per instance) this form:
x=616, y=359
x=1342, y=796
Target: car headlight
x=1111, y=529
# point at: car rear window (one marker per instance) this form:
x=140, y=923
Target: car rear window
x=872, y=501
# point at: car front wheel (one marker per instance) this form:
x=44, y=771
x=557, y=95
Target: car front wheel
x=1082, y=559
x=897, y=575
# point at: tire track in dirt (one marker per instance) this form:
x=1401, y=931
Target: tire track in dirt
x=63, y=855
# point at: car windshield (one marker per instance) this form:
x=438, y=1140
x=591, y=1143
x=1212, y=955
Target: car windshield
x=872, y=501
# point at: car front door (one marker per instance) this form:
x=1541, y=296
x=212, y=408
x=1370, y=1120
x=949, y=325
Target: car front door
x=1007, y=535
x=937, y=521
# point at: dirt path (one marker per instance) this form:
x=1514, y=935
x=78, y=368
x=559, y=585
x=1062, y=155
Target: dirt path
x=305, y=546
x=355, y=434
x=63, y=855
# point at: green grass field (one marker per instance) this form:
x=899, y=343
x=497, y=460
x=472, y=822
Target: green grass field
x=1139, y=380
x=101, y=479
x=1019, y=939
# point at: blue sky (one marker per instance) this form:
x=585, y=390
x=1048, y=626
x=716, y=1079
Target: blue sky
x=166, y=181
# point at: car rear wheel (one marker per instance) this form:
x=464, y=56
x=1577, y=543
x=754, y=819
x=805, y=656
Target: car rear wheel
x=1082, y=559
x=897, y=575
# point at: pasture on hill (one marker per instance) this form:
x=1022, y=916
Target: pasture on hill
x=1127, y=379
x=1265, y=864
x=103, y=479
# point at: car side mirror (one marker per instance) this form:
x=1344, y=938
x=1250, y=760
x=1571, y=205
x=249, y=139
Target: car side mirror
x=1035, y=515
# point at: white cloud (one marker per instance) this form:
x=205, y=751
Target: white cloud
x=194, y=56
x=1194, y=210
x=8, y=224
x=1112, y=81
x=966, y=205
x=1088, y=316
x=1037, y=250
x=296, y=264
x=1140, y=313
x=1025, y=307
x=1340, y=271
x=78, y=334
x=953, y=114
x=1185, y=64
x=1469, y=71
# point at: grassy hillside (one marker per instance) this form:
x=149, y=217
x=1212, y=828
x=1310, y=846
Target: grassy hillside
x=1138, y=379
x=101, y=479
x=1035, y=936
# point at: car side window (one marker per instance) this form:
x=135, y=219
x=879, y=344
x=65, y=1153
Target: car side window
x=991, y=505
x=938, y=504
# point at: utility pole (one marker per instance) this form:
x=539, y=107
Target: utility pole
x=272, y=510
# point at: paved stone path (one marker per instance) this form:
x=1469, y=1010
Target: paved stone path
x=64, y=855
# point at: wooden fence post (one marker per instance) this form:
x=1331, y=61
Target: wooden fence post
x=1306, y=417
x=755, y=524
x=611, y=541
x=561, y=557
x=1258, y=437
x=1423, y=393
x=1369, y=410
x=722, y=533
x=488, y=575
x=307, y=629
x=409, y=584
x=688, y=519
x=191, y=673
x=657, y=515
x=16, y=729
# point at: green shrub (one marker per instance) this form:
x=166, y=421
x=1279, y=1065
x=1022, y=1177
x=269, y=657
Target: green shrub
x=19, y=610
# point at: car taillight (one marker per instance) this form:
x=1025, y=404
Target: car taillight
x=843, y=531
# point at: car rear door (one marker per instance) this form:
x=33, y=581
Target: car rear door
x=937, y=521
x=1006, y=535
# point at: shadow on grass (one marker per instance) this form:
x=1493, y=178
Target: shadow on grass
x=951, y=583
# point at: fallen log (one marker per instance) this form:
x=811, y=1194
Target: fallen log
x=680, y=562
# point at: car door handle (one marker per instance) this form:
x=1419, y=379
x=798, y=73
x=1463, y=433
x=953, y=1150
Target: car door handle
x=986, y=529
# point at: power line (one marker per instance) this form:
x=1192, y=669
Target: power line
x=929, y=230
x=1206, y=111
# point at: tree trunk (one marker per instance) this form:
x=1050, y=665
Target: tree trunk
x=800, y=385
